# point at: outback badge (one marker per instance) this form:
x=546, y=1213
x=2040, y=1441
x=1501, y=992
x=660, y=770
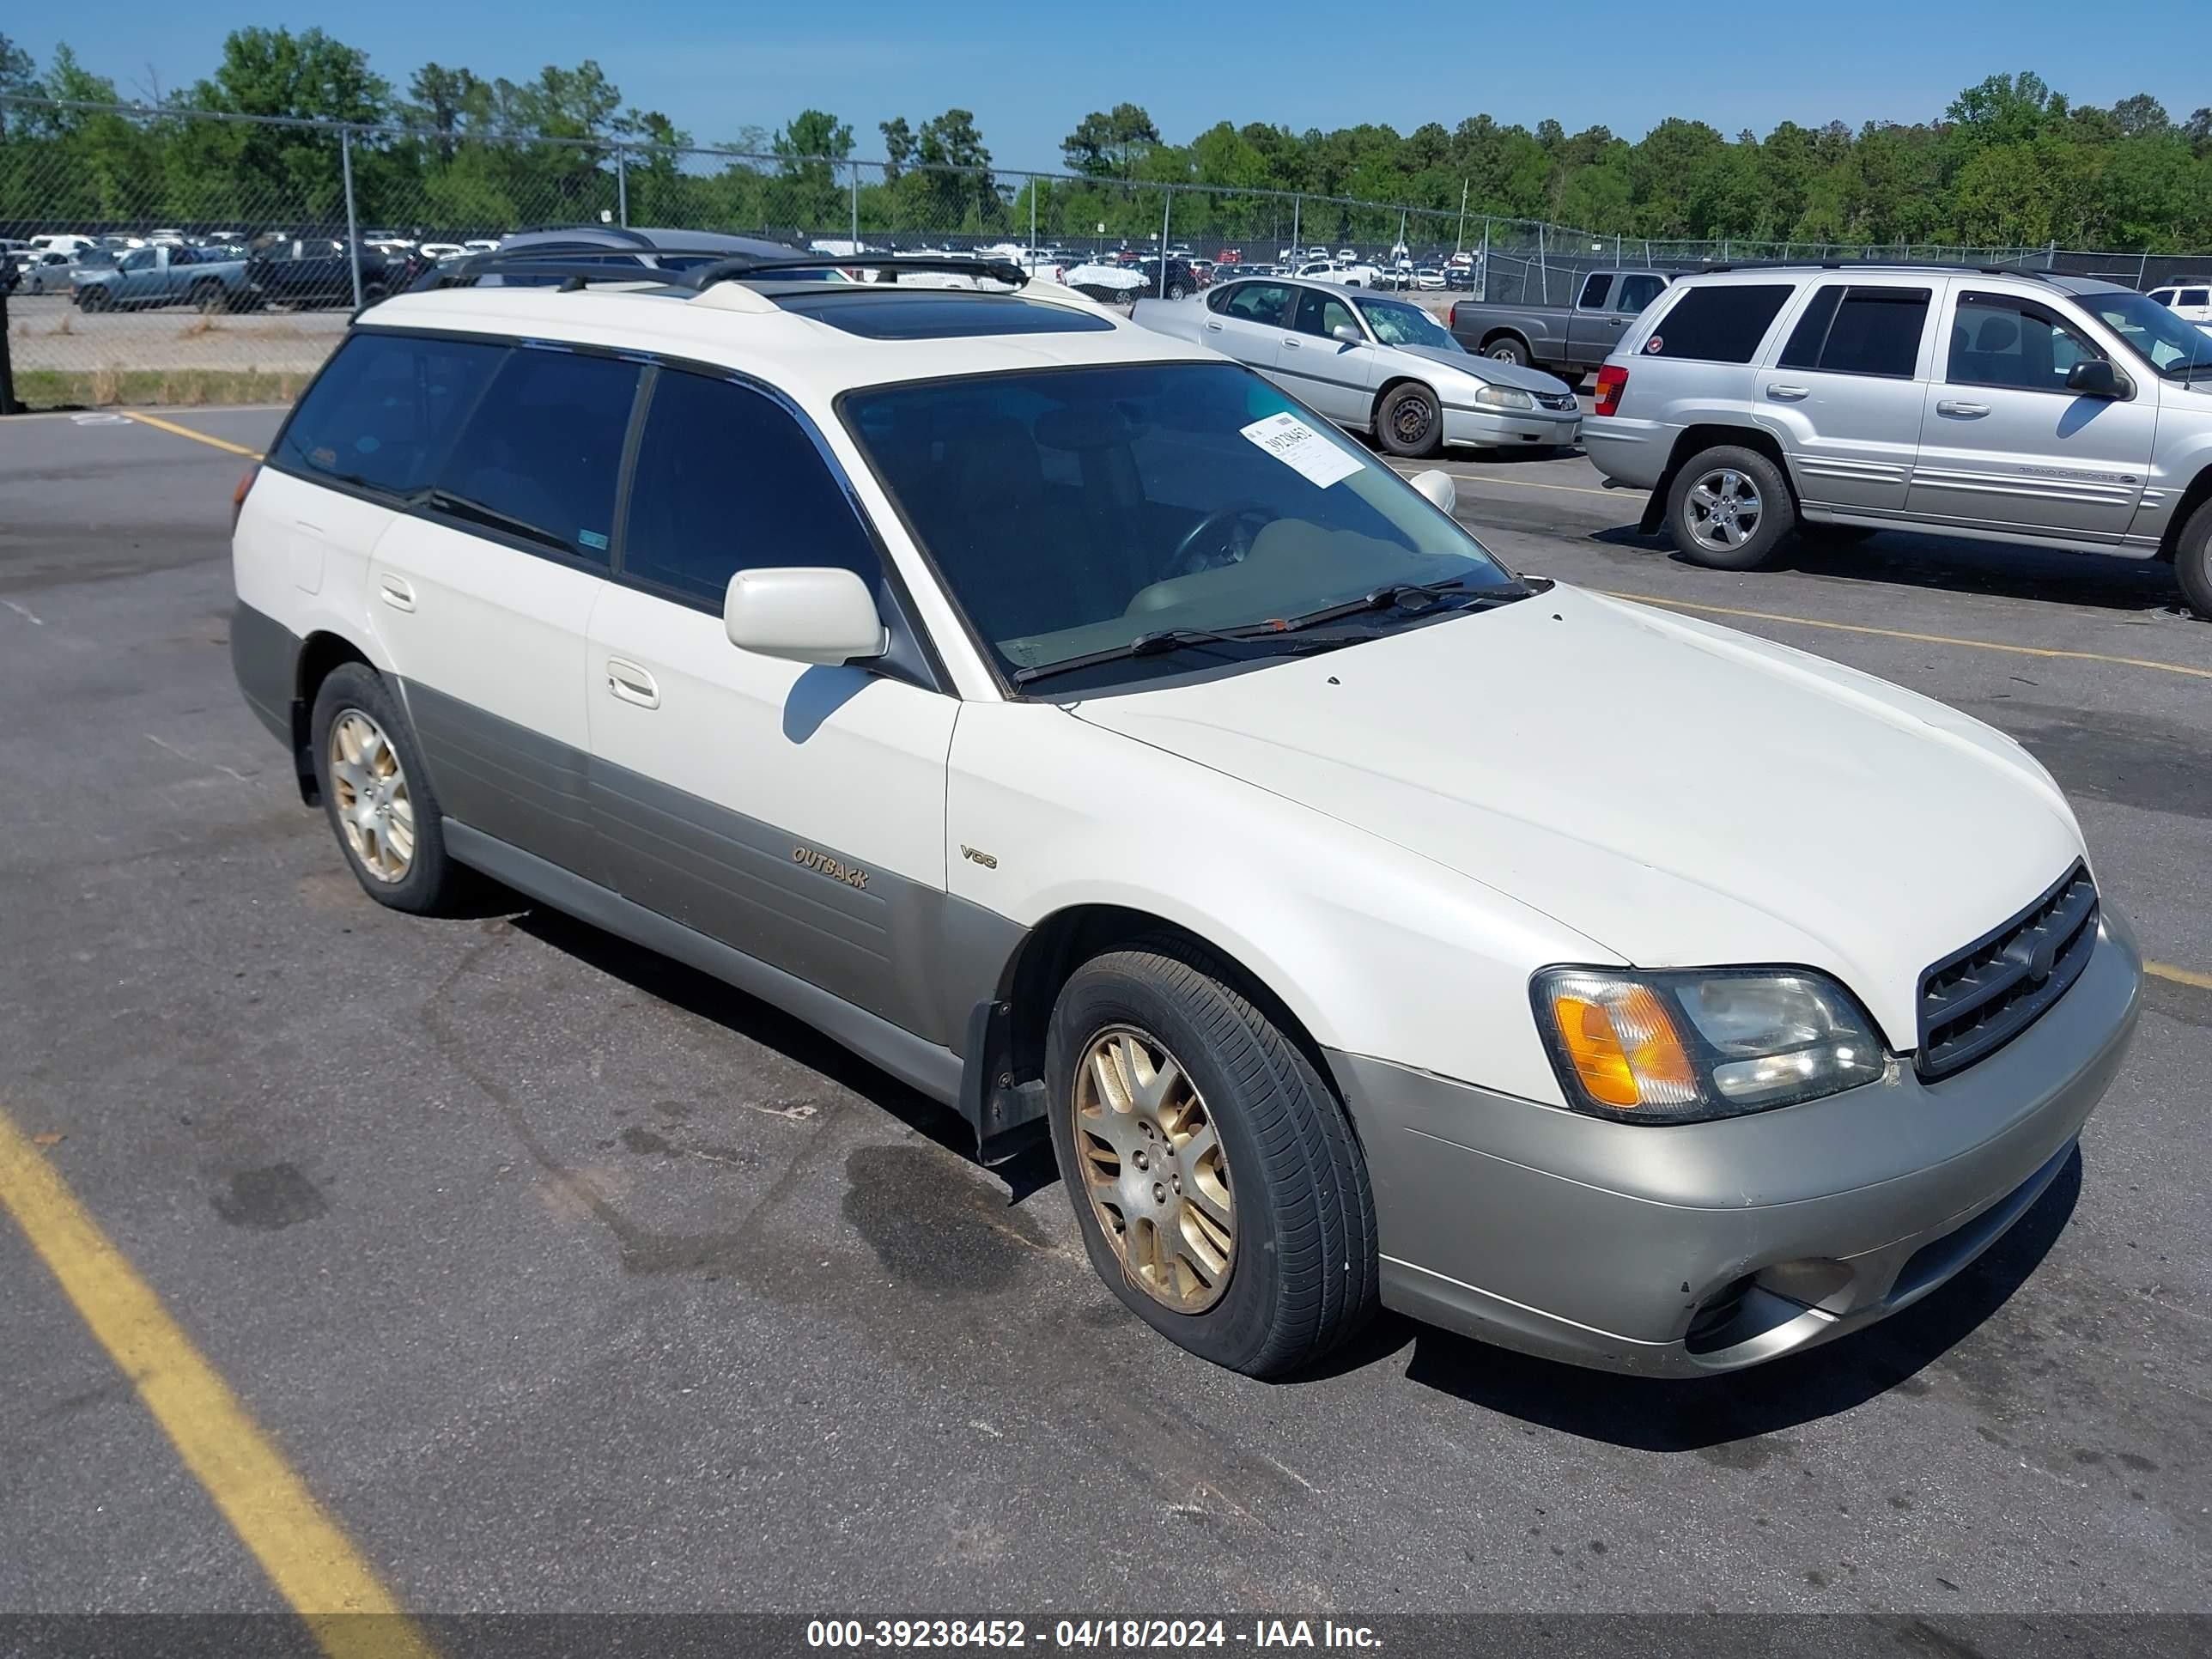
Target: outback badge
x=823, y=864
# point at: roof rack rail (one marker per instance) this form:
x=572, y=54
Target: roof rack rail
x=737, y=267
x=579, y=265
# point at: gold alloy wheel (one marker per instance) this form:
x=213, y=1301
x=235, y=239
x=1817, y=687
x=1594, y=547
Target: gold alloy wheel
x=1155, y=1169
x=373, y=806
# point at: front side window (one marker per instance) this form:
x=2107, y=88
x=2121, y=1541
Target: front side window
x=2171, y=344
x=1069, y=512
x=538, y=459
x=727, y=481
x=1721, y=323
x=386, y=408
x=1323, y=314
x=139, y=259
x=1398, y=325
x=2002, y=340
x=1594, y=291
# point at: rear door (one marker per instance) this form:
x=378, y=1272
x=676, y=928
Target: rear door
x=1247, y=322
x=483, y=592
x=795, y=813
x=1846, y=392
x=2004, y=444
x=1327, y=374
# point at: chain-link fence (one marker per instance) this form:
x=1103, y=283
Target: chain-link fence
x=186, y=257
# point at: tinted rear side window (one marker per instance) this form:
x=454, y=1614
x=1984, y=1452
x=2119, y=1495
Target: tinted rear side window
x=727, y=481
x=538, y=459
x=1860, y=331
x=1719, y=325
x=385, y=411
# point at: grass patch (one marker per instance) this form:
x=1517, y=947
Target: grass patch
x=98, y=388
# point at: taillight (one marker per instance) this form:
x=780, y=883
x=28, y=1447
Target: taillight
x=1454, y=323
x=238, y=496
x=1611, y=382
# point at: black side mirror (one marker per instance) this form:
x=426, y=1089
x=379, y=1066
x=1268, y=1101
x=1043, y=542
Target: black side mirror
x=2094, y=377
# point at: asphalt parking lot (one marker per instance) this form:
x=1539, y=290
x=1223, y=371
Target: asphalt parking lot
x=565, y=1279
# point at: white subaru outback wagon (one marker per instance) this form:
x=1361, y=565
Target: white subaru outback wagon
x=1078, y=728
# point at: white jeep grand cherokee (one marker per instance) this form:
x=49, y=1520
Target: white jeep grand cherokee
x=1069, y=722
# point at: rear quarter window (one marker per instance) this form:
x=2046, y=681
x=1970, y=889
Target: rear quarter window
x=384, y=411
x=1722, y=324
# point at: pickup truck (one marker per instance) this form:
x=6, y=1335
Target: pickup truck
x=1561, y=340
x=161, y=274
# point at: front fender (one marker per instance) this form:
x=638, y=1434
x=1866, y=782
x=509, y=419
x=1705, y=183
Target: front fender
x=1374, y=949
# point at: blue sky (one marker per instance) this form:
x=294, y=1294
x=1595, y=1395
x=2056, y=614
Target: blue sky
x=1029, y=71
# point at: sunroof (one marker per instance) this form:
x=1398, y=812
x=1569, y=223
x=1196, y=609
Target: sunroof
x=936, y=313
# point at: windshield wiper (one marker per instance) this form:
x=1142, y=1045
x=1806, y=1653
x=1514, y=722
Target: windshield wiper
x=1164, y=639
x=462, y=508
x=1397, y=596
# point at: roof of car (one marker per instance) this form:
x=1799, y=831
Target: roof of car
x=1729, y=274
x=778, y=331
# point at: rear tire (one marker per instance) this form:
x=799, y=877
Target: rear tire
x=1507, y=350
x=377, y=794
x=2192, y=561
x=1228, y=1206
x=1729, y=508
x=1410, y=422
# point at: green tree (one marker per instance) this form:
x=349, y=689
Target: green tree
x=1108, y=143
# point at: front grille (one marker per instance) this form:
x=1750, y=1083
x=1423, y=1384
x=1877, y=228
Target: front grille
x=1975, y=1002
x=1562, y=400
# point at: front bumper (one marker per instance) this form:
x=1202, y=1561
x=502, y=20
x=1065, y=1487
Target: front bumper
x=1678, y=1250
x=1468, y=426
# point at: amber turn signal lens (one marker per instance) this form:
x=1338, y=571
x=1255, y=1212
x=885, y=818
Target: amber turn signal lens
x=1624, y=1049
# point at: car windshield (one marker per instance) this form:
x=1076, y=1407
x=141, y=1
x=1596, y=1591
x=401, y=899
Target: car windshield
x=1071, y=511
x=2172, y=345
x=1398, y=325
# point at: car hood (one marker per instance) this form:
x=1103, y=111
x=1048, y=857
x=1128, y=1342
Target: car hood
x=1677, y=793
x=1488, y=370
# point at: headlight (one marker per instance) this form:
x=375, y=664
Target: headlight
x=1504, y=396
x=1678, y=1046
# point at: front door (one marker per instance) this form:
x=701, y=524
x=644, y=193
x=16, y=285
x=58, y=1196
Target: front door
x=1330, y=375
x=1846, y=394
x=2004, y=444
x=795, y=813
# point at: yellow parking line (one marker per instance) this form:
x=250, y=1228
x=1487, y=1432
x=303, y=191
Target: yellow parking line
x=2179, y=975
x=1902, y=633
x=186, y=432
x=301, y=1548
x=1518, y=484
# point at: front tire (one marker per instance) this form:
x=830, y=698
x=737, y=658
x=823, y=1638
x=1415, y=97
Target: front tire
x=1176, y=291
x=377, y=794
x=1410, y=422
x=95, y=298
x=1729, y=508
x=1216, y=1179
x=208, y=298
x=2192, y=561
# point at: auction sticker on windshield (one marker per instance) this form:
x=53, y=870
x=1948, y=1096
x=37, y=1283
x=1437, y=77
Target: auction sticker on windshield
x=1302, y=449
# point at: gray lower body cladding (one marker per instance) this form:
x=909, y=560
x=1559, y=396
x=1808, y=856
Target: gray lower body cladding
x=1683, y=1250
x=265, y=655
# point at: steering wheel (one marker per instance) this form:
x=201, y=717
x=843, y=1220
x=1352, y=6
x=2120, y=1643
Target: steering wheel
x=1191, y=553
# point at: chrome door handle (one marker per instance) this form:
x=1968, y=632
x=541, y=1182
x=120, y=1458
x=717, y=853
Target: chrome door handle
x=1789, y=394
x=396, y=592
x=632, y=683
x=1964, y=411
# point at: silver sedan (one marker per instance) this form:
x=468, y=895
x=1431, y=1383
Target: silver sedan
x=1373, y=364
